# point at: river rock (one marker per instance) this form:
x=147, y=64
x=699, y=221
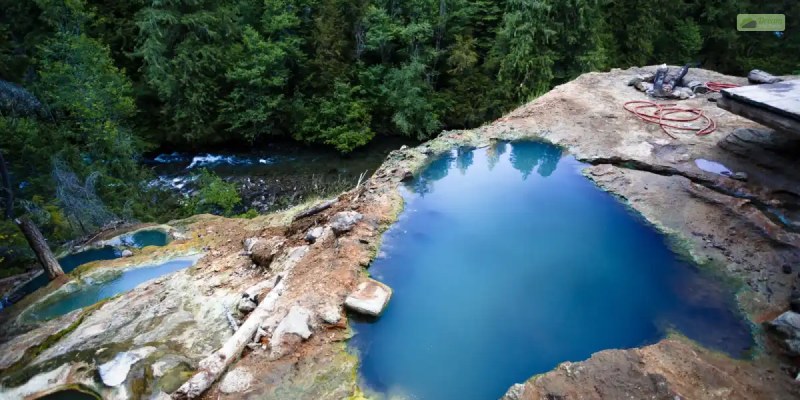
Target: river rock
x=788, y=327
x=330, y=314
x=344, y=221
x=314, y=233
x=126, y=253
x=114, y=372
x=370, y=298
x=263, y=251
x=236, y=381
x=248, y=243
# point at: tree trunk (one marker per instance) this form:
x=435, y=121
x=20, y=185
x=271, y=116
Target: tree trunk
x=9, y=194
x=39, y=246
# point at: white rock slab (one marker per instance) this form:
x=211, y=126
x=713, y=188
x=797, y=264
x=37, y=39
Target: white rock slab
x=114, y=372
x=296, y=322
x=370, y=298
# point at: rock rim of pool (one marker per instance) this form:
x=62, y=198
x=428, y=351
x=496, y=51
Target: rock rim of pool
x=714, y=226
x=125, y=239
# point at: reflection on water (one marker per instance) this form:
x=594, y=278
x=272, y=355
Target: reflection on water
x=516, y=263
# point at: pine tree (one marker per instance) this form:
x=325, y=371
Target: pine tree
x=258, y=79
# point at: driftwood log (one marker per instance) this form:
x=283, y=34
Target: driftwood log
x=39, y=245
x=212, y=367
x=316, y=209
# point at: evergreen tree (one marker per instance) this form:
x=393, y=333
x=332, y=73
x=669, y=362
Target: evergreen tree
x=253, y=106
x=341, y=120
x=183, y=46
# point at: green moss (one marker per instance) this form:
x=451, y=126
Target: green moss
x=676, y=335
x=174, y=378
x=138, y=387
x=51, y=340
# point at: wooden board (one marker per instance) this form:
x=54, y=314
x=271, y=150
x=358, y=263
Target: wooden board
x=782, y=98
x=761, y=115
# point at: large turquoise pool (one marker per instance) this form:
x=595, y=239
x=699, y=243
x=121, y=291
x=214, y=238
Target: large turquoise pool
x=507, y=261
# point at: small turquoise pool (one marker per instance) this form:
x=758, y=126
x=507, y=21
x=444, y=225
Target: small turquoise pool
x=90, y=293
x=507, y=261
x=150, y=237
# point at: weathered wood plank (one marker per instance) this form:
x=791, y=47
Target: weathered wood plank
x=780, y=98
x=761, y=115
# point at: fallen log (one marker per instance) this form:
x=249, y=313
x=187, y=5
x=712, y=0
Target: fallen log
x=213, y=366
x=316, y=209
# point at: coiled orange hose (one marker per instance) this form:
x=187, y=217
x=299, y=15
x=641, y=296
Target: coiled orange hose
x=663, y=113
x=717, y=86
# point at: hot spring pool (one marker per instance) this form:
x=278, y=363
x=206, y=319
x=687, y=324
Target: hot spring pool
x=143, y=238
x=90, y=293
x=507, y=261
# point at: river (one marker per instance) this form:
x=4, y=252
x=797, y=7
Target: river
x=274, y=176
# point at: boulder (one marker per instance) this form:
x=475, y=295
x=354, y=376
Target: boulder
x=295, y=322
x=249, y=243
x=236, y=381
x=263, y=251
x=293, y=329
x=330, y=314
x=246, y=304
x=114, y=372
x=787, y=325
x=344, y=221
x=370, y=298
x=682, y=93
x=126, y=253
x=314, y=233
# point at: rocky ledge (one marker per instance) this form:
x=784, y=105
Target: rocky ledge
x=262, y=313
